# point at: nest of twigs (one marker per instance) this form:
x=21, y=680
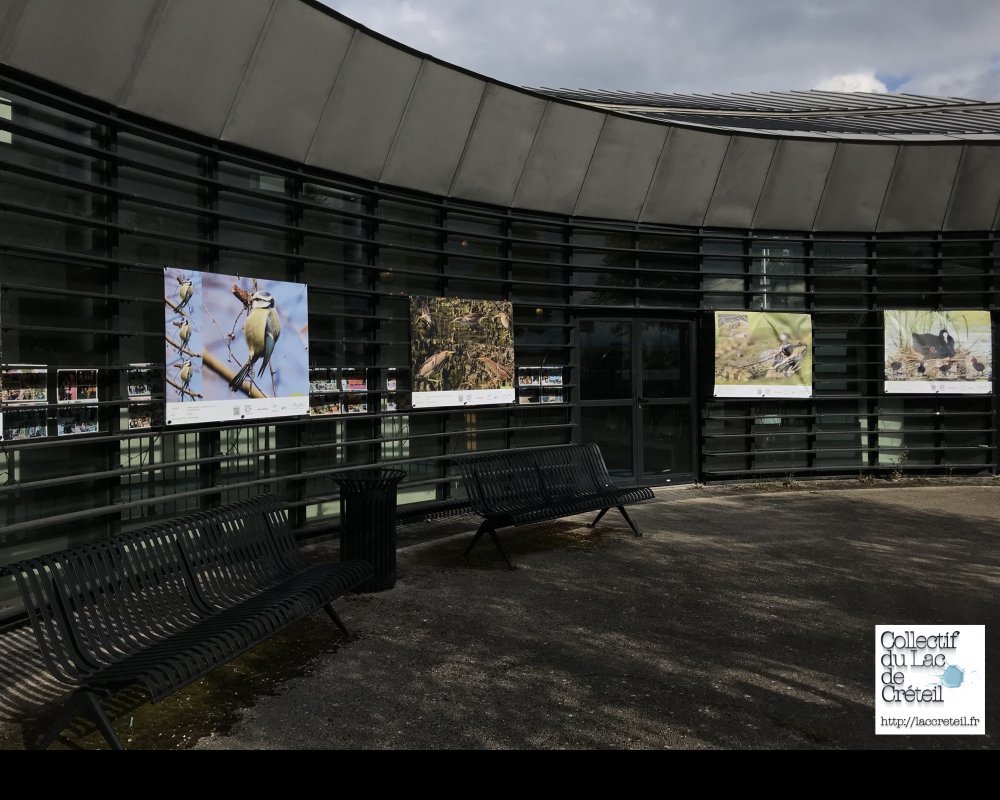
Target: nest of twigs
x=905, y=365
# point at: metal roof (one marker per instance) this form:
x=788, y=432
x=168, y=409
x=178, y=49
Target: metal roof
x=813, y=112
x=296, y=80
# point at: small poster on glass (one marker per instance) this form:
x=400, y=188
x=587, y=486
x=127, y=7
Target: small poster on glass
x=73, y=420
x=24, y=384
x=529, y=376
x=354, y=380
x=324, y=406
x=76, y=385
x=23, y=423
x=145, y=415
x=323, y=380
x=552, y=376
x=142, y=381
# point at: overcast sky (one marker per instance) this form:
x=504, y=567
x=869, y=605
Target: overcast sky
x=937, y=47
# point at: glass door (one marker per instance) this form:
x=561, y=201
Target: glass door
x=666, y=401
x=637, y=397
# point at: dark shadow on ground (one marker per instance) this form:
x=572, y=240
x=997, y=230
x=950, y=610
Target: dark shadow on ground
x=739, y=621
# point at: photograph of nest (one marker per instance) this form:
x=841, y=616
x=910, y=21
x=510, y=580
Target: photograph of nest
x=927, y=348
x=763, y=354
x=461, y=345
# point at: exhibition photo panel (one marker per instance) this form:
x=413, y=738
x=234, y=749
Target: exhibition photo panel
x=763, y=354
x=938, y=352
x=235, y=347
x=462, y=352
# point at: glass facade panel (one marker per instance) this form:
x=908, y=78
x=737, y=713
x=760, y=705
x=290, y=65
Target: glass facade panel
x=666, y=438
x=97, y=203
x=778, y=270
x=611, y=429
x=605, y=360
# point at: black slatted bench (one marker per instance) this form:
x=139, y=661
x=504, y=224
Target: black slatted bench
x=521, y=487
x=163, y=606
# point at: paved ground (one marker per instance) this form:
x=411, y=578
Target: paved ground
x=743, y=619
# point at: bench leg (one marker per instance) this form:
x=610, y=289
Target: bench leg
x=496, y=541
x=628, y=519
x=86, y=704
x=484, y=529
x=328, y=608
x=599, y=517
x=479, y=535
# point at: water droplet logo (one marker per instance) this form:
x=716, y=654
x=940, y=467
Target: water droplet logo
x=952, y=677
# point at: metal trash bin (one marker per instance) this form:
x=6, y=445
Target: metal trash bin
x=368, y=522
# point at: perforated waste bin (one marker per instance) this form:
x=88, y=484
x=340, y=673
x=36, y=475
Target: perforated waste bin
x=368, y=522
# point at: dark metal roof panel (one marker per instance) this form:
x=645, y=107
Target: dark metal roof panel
x=194, y=64
x=976, y=195
x=741, y=180
x=434, y=130
x=685, y=177
x=794, y=185
x=855, y=190
x=289, y=81
x=920, y=187
x=365, y=108
x=256, y=71
x=621, y=169
x=498, y=148
x=11, y=12
x=559, y=159
x=90, y=46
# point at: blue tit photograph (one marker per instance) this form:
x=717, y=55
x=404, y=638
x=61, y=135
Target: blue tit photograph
x=183, y=323
x=255, y=337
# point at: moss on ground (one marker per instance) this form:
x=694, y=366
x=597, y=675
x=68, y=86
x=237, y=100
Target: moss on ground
x=210, y=705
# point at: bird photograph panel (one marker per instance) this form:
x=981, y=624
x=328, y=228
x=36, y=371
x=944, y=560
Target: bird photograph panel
x=256, y=332
x=182, y=306
x=229, y=337
x=932, y=346
x=458, y=344
x=761, y=349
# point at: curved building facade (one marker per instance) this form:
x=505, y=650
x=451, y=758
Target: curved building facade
x=278, y=139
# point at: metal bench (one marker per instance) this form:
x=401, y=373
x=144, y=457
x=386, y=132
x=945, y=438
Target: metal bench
x=521, y=487
x=163, y=606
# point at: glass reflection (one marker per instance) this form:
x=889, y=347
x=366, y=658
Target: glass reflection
x=605, y=360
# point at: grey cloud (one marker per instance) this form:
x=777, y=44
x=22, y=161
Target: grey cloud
x=709, y=46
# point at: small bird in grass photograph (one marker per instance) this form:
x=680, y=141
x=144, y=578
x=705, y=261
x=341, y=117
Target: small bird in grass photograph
x=461, y=344
x=469, y=320
x=261, y=331
x=433, y=363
